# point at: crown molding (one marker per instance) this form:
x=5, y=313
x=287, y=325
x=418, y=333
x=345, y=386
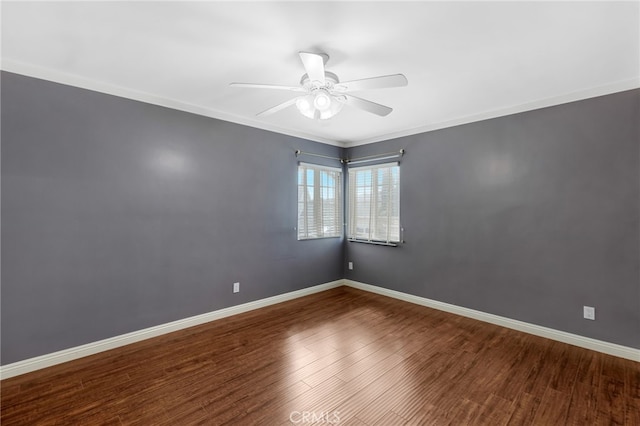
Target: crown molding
x=593, y=92
x=136, y=95
x=114, y=90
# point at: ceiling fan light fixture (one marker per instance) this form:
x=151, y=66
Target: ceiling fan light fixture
x=318, y=105
x=305, y=106
x=322, y=100
x=333, y=109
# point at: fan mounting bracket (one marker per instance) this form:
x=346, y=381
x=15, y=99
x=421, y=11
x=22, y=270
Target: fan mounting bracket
x=330, y=81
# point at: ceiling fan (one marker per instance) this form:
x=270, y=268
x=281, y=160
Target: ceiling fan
x=323, y=94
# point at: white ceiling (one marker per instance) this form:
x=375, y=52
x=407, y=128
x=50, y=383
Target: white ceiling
x=465, y=61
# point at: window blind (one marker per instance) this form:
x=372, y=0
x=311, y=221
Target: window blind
x=319, y=201
x=374, y=203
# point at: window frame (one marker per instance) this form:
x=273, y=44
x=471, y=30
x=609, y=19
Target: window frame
x=393, y=235
x=317, y=231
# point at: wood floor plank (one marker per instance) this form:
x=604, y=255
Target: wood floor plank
x=583, y=407
x=466, y=413
x=354, y=421
x=420, y=388
x=590, y=368
x=363, y=357
x=390, y=419
x=612, y=401
x=632, y=379
x=632, y=416
x=566, y=370
x=553, y=409
x=524, y=409
x=498, y=411
x=344, y=363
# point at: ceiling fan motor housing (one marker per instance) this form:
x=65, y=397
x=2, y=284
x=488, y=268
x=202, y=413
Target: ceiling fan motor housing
x=330, y=81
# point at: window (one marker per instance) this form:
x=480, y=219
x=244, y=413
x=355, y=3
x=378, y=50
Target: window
x=319, y=201
x=374, y=203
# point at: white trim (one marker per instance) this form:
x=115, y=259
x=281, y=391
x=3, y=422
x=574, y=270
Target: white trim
x=137, y=95
x=111, y=89
x=549, y=333
x=47, y=360
x=594, y=92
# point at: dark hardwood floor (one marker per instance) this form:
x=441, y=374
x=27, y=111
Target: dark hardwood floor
x=342, y=357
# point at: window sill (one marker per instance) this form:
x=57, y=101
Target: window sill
x=318, y=238
x=377, y=243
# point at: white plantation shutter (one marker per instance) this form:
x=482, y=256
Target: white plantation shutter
x=319, y=201
x=374, y=203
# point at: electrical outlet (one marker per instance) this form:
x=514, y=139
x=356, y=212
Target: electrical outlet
x=589, y=312
x=236, y=287
x=351, y=265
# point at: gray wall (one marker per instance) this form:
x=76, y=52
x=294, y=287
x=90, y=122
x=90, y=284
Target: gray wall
x=528, y=216
x=119, y=215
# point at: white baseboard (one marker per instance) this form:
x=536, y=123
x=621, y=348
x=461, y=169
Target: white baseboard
x=549, y=333
x=47, y=360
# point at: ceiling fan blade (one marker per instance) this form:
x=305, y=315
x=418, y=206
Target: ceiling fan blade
x=314, y=65
x=366, y=105
x=278, y=107
x=268, y=86
x=382, y=82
